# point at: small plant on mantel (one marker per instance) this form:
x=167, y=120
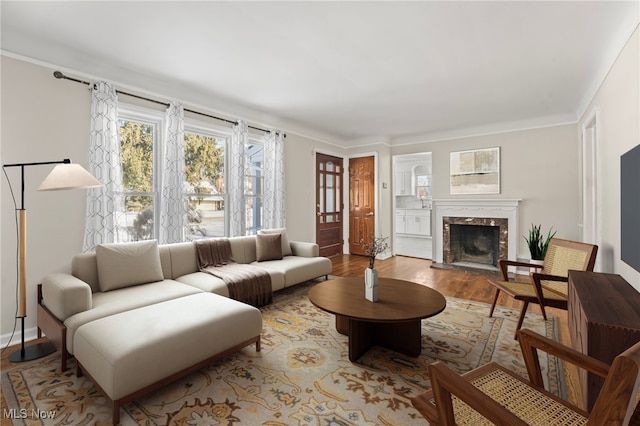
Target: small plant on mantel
x=375, y=247
x=537, y=242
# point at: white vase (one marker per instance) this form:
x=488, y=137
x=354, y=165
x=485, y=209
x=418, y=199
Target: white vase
x=371, y=284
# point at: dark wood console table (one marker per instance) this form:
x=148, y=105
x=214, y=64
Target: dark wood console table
x=604, y=320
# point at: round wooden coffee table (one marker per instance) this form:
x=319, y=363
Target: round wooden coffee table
x=392, y=322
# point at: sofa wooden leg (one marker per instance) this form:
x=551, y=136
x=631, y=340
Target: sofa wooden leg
x=258, y=347
x=116, y=413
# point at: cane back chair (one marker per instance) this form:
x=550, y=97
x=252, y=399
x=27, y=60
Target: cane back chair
x=491, y=394
x=548, y=287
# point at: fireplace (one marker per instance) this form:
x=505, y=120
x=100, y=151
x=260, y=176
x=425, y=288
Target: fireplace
x=475, y=233
x=475, y=242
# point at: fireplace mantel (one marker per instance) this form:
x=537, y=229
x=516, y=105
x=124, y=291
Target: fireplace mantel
x=504, y=208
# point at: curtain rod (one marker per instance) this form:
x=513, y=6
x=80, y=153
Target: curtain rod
x=59, y=75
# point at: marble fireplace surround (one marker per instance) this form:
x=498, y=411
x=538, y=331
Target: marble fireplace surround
x=475, y=211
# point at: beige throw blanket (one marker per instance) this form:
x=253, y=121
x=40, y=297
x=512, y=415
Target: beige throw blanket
x=246, y=283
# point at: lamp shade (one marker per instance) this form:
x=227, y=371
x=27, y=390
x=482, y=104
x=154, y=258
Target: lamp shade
x=69, y=176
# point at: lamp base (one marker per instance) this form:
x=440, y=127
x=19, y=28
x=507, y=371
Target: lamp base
x=32, y=352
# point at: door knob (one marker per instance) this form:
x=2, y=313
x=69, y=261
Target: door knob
x=318, y=214
x=369, y=214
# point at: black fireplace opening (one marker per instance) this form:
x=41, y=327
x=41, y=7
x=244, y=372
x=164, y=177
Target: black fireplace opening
x=476, y=244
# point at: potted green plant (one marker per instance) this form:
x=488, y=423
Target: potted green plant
x=537, y=242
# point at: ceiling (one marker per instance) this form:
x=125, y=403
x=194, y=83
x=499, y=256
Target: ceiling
x=343, y=72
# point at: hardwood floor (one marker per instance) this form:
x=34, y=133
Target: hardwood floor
x=460, y=284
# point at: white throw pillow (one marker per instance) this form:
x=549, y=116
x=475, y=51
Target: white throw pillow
x=127, y=264
x=286, y=248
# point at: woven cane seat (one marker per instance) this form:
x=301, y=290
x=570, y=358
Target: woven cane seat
x=526, y=290
x=533, y=406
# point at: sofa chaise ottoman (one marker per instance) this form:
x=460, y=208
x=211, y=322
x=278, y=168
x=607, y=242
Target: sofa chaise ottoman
x=138, y=351
x=121, y=277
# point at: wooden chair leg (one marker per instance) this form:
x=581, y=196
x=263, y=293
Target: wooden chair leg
x=523, y=312
x=544, y=313
x=495, y=300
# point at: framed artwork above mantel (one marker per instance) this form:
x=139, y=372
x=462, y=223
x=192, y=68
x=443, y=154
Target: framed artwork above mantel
x=475, y=171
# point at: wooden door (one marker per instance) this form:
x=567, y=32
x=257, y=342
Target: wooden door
x=329, y=205
x=361, y=204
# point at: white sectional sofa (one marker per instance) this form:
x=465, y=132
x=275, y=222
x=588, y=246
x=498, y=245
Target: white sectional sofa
x=103, y=285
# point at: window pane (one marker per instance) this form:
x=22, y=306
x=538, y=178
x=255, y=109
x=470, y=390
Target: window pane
x=330, y=195
x=204, y=163
x=136, y=144
x=139, y=217
x=338, y=194
x=205, y=216
x=204, y=188
x=253, y=187
x=254, y=215
x=255, y=158
x=322, y=193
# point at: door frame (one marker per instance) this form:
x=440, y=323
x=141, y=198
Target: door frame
x=345, y=193
x=591, y=172
x=377, y=194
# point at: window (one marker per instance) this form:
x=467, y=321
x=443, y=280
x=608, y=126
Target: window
x=204, y=168
x=254, y=181
x=139, y=137
x=204, y=187
x=423, y=186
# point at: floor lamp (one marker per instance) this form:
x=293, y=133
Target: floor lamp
x=65, y=175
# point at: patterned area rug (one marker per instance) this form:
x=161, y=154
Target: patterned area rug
x=302, y=376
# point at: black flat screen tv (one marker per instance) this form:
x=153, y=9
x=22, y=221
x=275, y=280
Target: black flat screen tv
x=630, y=208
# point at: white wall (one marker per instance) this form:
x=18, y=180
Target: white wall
x=539, y=166
x=43, y=119
x=618, y=107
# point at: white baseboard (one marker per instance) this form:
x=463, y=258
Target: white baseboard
x=29, y=334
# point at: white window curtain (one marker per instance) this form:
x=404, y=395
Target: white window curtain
x=274, y=194
x=105, y=220
x=173, y=204
x=236, y=176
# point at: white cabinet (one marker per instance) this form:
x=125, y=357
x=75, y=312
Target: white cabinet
x=404, y=184
x=413, y=233
x=418, y=222
x=401, y=223
x=413, y=245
